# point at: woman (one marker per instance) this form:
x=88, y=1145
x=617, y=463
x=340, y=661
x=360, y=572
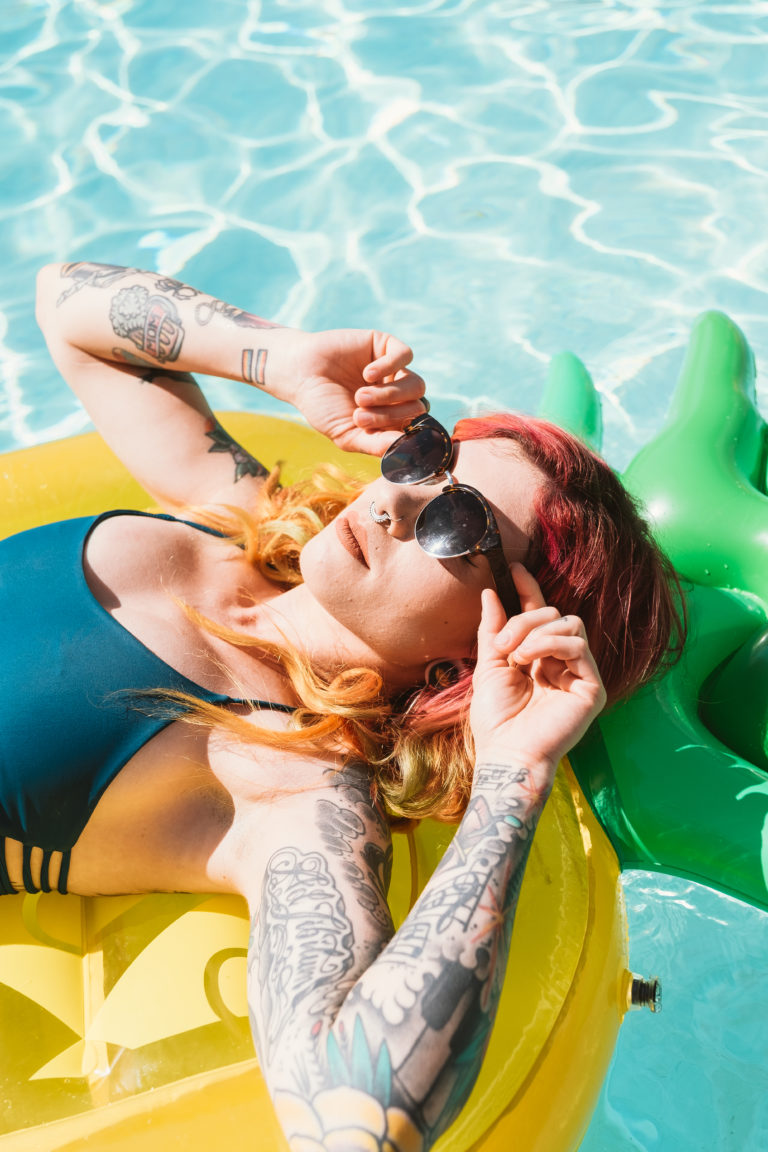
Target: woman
x=207, y=719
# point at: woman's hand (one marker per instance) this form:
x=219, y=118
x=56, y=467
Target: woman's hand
x=536, y=687
x=353, y=385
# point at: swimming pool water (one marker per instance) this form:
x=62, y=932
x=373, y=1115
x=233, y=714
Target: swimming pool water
x=494, y=182
x=695, y=1077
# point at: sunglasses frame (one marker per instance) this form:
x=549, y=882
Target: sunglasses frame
x=490, y=542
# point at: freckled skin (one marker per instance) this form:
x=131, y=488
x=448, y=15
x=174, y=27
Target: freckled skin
x=409, y=607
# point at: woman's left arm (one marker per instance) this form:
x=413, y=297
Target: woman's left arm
x=364, y=1031
x=367, y=1035
x=127, y=342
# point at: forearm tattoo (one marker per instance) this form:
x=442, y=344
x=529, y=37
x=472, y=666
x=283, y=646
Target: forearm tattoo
x=304, y=956
x=149, y=320
x=245, y=464
x=305, y=939
x=86, y=274
x=409, y=1019
x=205, y=312
x=176, y=288
x=253, y=366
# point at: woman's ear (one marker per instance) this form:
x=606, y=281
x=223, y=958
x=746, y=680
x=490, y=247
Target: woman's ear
x=440, y=674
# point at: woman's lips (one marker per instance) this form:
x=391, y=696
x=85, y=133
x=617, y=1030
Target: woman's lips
x=349, y=541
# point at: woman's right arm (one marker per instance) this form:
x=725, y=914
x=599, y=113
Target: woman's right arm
x=127, y=342
x=367, y=1035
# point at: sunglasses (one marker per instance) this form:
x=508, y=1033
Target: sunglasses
x=458, y=522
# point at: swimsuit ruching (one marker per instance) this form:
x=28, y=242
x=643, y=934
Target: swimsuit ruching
x=70, y=711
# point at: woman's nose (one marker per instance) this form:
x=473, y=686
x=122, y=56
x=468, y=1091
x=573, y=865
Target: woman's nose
x=396, y=507
x=382, y=516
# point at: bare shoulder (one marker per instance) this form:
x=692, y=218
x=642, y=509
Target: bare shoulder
x=137, y=553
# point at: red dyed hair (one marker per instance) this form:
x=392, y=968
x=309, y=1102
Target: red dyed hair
x=593, y=553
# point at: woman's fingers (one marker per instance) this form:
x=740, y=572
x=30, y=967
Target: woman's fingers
x=492, y=621
x=390, y=404
x=521, y=639
x=531, y=595
x=570, y=650
x=383, y=419
x=517, y=628
x=542, y=626
x=406, y=386
x=392, y=355
x=558, y=643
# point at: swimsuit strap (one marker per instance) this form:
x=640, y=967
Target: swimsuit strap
x=64, y=872
x=6, y=888
x=45, y=876
x=158, y=516
x=264, y=705
x=26, y=869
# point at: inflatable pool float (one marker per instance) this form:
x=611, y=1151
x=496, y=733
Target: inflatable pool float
x=124, y=1018
x=678, y=775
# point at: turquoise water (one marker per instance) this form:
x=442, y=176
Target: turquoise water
x=695, y=1078
x=494, y=182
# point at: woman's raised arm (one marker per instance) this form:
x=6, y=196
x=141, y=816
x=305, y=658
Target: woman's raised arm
x=126, y=341
x=363, y=1033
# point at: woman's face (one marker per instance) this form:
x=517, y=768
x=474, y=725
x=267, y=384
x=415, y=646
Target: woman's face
x=398, y=602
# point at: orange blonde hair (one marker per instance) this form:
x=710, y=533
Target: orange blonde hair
x=418, y=745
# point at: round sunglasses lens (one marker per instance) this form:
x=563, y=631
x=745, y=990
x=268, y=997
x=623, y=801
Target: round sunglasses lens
x=452, y=524
x=416, y=456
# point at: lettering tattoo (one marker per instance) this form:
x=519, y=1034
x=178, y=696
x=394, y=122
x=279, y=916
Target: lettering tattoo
x=304, y=950
x=149, y=321
x=176, y=288
x=245, y=464
x=207, y=309
x=254, y=363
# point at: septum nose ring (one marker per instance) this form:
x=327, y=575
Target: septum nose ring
x=382, y=517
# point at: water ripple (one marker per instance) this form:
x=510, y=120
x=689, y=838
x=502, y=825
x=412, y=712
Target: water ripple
x=694, y=1078
x=493, y=180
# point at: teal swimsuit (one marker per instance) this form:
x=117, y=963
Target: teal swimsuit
x=70, y=718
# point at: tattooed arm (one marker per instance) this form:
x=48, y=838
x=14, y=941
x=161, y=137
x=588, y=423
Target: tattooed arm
x=361, y=1031
x=126, y=341
x=367, y=1037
